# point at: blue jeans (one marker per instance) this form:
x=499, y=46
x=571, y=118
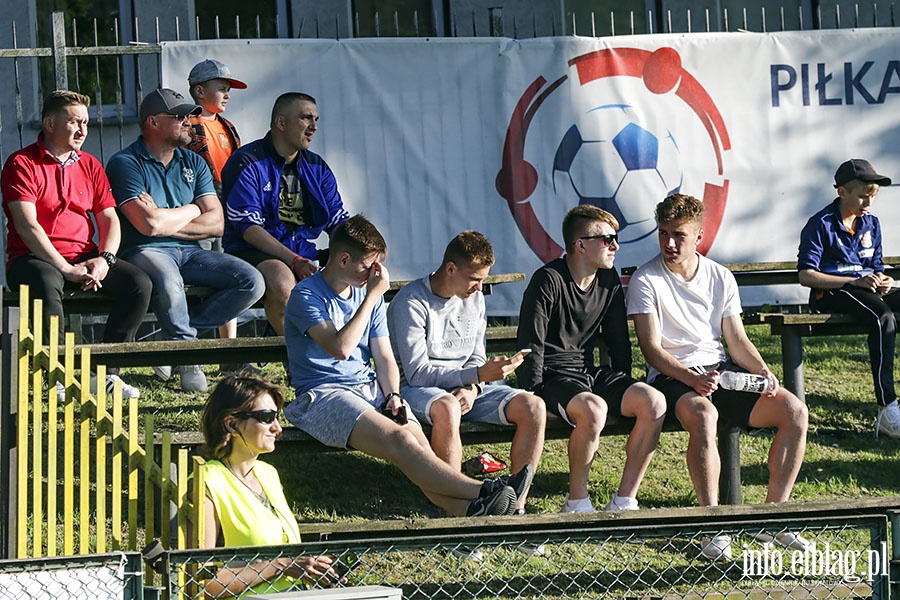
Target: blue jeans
x=238, y=286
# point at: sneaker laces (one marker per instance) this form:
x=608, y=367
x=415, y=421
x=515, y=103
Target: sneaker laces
x=892, y=419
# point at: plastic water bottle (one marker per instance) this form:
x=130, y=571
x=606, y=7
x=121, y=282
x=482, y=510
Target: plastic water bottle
x=745, y=382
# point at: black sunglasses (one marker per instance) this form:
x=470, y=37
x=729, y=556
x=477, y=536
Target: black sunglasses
x=263, y=416
x=608, y=238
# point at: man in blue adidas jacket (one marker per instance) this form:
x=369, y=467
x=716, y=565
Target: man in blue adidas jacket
x=279, y=197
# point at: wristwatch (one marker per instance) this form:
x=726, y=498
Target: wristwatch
x=109, y=257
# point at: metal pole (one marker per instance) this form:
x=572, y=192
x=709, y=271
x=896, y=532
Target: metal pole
x=730, y=456
x=496, y=19
x=894, y=574
x=60, y=72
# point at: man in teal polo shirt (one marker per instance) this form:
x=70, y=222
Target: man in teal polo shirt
x=166, y=194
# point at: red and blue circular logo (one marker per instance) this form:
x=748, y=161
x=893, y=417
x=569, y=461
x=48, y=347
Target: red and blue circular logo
x=635, y=129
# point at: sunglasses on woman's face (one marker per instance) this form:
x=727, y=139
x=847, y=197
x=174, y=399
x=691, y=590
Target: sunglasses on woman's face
x=263, y=416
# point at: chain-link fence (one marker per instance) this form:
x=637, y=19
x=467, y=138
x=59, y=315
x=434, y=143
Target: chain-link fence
x=799, y=552
x=96, y=577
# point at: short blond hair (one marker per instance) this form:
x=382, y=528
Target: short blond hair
x=866, y=187
x=577, y=220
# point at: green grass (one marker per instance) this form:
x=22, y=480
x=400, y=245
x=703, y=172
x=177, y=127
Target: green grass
x=843, y=459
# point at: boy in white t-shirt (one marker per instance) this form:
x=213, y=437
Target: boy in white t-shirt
x=683, y=305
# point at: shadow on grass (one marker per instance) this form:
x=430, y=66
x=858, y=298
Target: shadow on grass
x=349, y=484
x=865, y=471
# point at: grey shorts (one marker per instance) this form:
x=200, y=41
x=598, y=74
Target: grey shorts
x=329, y=412
x=489, y=406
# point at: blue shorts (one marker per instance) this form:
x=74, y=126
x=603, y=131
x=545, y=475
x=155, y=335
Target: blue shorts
x=329, y=412
x=489, y=406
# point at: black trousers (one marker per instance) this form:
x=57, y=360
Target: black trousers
x=876, y=312
x=127, y=285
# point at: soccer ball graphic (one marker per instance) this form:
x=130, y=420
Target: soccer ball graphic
x=621, y=163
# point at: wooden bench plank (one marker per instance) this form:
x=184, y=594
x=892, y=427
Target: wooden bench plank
x=77, y=301
x=236, y=350
x=777, y=273
x=471, y=433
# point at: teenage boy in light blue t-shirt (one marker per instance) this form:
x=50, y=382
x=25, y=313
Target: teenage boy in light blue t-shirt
x=334, y=325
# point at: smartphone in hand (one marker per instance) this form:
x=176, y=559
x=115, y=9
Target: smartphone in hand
x=523, y=352
x=400, y=418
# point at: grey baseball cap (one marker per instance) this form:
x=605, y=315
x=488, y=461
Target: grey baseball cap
x=164, y=100
x=213, y=69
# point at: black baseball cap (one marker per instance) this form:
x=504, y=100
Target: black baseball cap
x=164, y=100
x=857, y=168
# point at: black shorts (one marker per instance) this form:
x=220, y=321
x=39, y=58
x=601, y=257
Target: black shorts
x=559, y=387
x=734, y=407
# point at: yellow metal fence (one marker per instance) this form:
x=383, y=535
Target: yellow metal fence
x=87, y=478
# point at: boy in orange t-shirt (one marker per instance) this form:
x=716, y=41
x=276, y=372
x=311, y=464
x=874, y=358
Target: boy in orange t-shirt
x=214, y=137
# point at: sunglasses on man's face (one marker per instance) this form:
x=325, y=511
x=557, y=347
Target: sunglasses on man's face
x=606, y=238
x=263, y=416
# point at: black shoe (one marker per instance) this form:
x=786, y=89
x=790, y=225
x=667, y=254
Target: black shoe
x=501, y=501
x=520, y=482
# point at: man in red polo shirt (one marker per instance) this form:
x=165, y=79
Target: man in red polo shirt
x=50, y=191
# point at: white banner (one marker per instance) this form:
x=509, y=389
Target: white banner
x=432, y=136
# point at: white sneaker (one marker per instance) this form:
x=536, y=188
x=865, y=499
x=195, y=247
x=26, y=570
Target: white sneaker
x=577, y=506
x=532, y=549
x=468, y=553
x=619, y=503
x=164, y=372
x=193, y=379
x=785, y=539
x=717, y=547
x=128, y=391
x=888, y=421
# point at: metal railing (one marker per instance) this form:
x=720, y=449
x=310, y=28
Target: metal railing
x=646, y=554
x=98, y=577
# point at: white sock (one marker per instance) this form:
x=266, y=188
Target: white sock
x=579, y=503
x=621, y=501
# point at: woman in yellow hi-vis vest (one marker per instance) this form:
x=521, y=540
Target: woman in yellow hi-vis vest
x=245, y=503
